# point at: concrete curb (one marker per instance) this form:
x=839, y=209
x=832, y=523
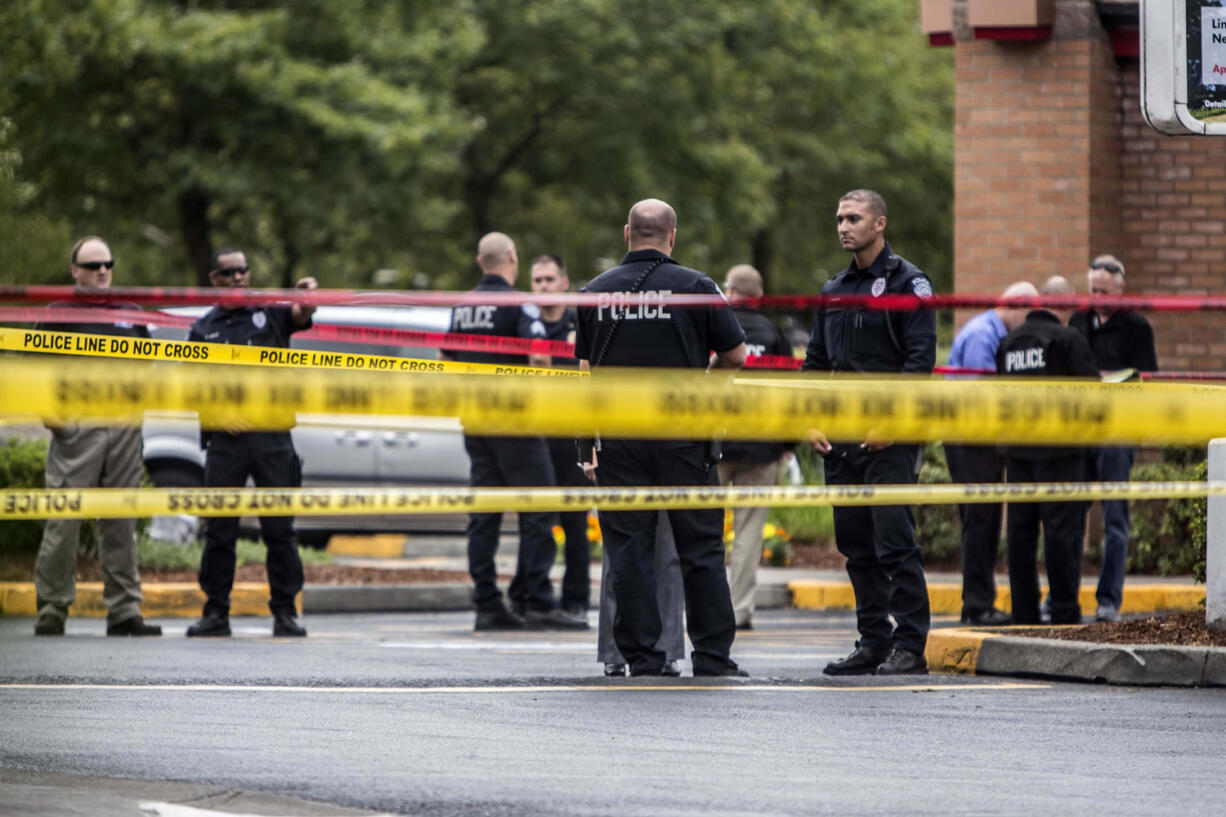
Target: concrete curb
x=945, y=598
x=995, y=652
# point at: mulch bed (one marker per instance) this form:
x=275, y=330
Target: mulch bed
x=1180, y=629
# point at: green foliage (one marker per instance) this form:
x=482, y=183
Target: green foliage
x=340, y=139
x=937, y=528
x=156, y=555
x=814, y=523
x=22, y=465
x=1167, y=536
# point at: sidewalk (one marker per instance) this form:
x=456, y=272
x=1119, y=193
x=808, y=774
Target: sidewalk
x=951, y=650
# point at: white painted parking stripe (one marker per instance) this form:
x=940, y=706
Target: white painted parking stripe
x=612, y=686
x=179, y=810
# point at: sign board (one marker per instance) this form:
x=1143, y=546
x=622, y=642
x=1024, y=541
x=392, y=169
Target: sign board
x=1183, y=66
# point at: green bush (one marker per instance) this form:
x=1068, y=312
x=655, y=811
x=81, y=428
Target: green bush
x=1167, y=536
x=22, y=464
x=812, y=523
x=937, y=528
x=156, y=555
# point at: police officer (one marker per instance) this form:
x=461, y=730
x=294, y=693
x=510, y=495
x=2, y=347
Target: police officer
x=549, y=275
x=82, y=455
x=750, y=463
x=1044, y=347
x=268, y=457
x=661, y=336
x=509, y=461
x=884, y=562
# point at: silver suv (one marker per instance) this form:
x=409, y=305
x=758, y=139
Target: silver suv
x=338, y=450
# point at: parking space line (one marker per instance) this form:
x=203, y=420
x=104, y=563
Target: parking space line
x=536, y=689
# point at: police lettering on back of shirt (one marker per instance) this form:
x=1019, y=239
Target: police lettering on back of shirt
x=522, y=321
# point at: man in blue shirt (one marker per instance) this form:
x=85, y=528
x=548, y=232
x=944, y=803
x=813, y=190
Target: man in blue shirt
x=975, y=348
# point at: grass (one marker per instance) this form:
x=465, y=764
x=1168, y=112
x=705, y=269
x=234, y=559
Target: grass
x=156, y=555
x=811, y=523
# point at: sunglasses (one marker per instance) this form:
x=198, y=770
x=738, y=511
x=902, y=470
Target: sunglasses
x=96, y=265
x=1109, y=266
x=227, y=272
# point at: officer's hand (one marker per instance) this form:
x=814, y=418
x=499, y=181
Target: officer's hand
x=589, y=468
x=874, y=444
x=308, y=282
x=301, y=313
x=819, y=442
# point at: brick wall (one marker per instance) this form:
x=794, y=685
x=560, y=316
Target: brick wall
x=1054, y=165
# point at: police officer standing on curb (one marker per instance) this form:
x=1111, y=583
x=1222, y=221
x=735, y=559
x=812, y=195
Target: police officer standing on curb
x=884, y=562
x=509, y=461
x=82, y=455
x=661, y=336
x=234, y=454
x=1044, y=347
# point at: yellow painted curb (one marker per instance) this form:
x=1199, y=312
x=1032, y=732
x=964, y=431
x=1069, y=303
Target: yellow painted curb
x=161, y=600
x=955, y=651
x=945, y=598
x=377, y=546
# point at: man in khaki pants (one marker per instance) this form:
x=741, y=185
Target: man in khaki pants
x=90, y=456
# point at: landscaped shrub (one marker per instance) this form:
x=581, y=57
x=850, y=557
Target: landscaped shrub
x=21, y=466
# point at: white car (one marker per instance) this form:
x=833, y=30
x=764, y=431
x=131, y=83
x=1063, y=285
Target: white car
x=338, y=450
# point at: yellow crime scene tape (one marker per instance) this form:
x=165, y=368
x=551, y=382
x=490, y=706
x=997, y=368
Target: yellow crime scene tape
x=100, y=503
x=180, y=351
x=654, y=403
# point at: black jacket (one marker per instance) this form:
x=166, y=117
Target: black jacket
x=867, y=340
x=762, y=337
x=522, y=321
x=1123, y=341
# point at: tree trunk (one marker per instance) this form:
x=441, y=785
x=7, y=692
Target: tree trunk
x=197, y=231
x=762, y=253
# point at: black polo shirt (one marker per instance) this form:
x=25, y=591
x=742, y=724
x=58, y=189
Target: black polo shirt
x=762, y=336
x=120, y=328
x=650, y=331
x=503, y=321
x=247, y=326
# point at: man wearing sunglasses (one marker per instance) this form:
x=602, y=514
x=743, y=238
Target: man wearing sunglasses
x=1121, y=339
x=234, y=454
x=82, y=455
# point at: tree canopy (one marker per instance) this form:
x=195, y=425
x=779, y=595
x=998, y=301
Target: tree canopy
x=370, y=143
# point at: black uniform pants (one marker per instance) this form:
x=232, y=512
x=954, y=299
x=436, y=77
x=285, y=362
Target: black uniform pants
x=980, y=523
x=270, y=460
x=503, y=462
x=630, y=542
x=884, y=562
x=1063, y=540
x=577, y=582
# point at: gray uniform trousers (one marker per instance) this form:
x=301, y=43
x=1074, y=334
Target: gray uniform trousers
x=747, y=526
x=91, y=457
x=670, y=596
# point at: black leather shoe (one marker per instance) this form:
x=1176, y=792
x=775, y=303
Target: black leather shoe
x=990, y=617
x=730, y=671
x=671, y=669
x=210, y=625
x=745, y=625
x=862, y=661
x=497, y=618
x=903, y=662
x=614, y=670
x=575, y=609
x=49, y=624
x=285, y=625
x=555, y=619
x=133, y=626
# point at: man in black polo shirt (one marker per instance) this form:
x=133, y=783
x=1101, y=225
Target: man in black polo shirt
x=268, y=457
x=82, y=455
x=648, y=332
x=509, y=461
x=1044, y=347
x=1121, y=339
x=884, y=561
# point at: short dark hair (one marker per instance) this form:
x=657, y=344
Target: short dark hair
x=876, y=204
x=215, y=258
x=549, y=258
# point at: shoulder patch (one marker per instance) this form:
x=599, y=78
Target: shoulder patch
x=537, y=328
x=921, y=287
x=532, y=311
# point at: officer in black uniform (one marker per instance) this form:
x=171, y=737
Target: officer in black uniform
x=1044, y=347
x=509, y=461
x=549, y=275
x=883, y=560
x=268, y=457
x=647, y=332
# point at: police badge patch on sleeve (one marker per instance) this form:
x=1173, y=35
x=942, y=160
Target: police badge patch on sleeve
x=921, y=287
x=532, y=311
